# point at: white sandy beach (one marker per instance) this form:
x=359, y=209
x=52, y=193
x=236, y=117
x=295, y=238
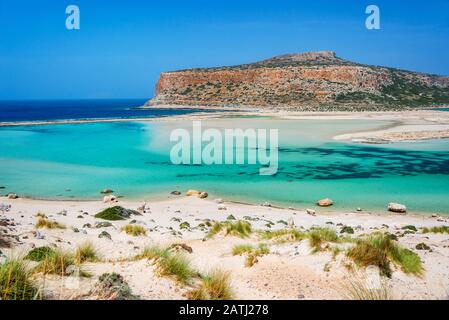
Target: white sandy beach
x=289, y=271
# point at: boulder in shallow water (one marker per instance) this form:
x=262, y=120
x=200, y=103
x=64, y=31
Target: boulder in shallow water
x=175, y=193
x=13, y=196
x=106, y=191
x=193, y=193
x=397, y=208
x=325, y=202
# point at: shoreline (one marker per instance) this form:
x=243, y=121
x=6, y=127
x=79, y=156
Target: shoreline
x=164, y=197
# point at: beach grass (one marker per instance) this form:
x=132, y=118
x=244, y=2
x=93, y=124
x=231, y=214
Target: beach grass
x=379, y=250
x=86, y=252
x=439, y=229
x=16, y=281
x=318, y=236
x=169, y=264
x=59, y=263
x=48, y=224
x=238, y=228
x=357, y=288
x=214, y=286
x=134, y=230
x=252, y=253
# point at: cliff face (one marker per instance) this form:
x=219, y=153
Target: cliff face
x=309, y=81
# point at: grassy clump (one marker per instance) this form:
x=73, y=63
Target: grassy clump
x=239, y=228
x=214, y=286
x=134, y=230
x=347, y=229
x=440, y=229
x=39, y=254
x=252, y=253
x=86, y=252
x=61, y=263
x=45, y=223
x=15, y=281
x=319, y=236
x=283, y=235
x=115, y=213
x=169, y=264
x=358, y=289
x=112, y=286
x=241, y=249
x=379, y=250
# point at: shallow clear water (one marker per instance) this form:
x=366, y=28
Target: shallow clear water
x=132, y=158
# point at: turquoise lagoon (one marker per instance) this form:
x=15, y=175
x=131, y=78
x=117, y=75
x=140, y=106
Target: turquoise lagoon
x=78, y=160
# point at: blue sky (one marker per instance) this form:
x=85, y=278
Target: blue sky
x=122, y=46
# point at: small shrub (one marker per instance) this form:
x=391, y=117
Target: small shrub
x=39, y=254
x=347, y=229
x=422, y=246
x=45, y=223
x=184, y=225
x=134, y=230
x=116, y=213
x=111, y=286
x=15, y=281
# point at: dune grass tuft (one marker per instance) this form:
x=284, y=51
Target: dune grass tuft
x=214, y=286
x=169, y=264
x=379, y=250
x=283, y=235
x=134, y=230
x=238, y=250
x=48, y=224
x=86, y=252
x=39, y=254
x=319, y=236
x=440, y=229
x=358, y=289
x=239, y=228
x=252, y=253
x=61, y=263
x=15, y=281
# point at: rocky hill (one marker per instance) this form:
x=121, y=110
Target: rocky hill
x=307, y=81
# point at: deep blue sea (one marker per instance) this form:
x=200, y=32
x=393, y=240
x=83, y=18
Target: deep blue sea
x=17, y=111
